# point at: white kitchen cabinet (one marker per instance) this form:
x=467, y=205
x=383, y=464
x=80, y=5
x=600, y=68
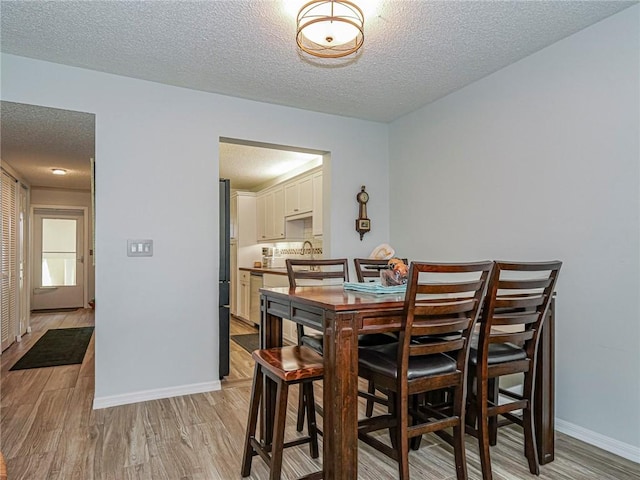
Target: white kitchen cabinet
x=261, y=217
x=233, y=278
x=242, y=210
x=278, y=213
x=281, y=210
x=233, y=214
x=317, y=204
x=270, y=223
x=245, y=251
x=255, y=284
x=244, y=294
x=298, y=196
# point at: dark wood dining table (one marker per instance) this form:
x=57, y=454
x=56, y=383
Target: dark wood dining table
x=342, y=315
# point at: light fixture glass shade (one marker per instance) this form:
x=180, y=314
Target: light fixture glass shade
x=58, y=171
x=330, y=29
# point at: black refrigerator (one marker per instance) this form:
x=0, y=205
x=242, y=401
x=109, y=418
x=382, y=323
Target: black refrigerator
x=224, y=276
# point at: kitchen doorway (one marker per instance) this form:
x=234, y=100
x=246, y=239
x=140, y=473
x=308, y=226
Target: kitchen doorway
x=257, y=173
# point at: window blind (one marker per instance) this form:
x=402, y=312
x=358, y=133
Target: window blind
x=8, y=259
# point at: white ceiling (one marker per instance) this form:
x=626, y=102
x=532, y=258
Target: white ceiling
x=35, y=139
x=414, y=52
x=251, y=166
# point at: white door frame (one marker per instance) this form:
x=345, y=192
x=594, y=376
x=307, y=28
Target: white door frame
x=24, y=249
x=85, y=243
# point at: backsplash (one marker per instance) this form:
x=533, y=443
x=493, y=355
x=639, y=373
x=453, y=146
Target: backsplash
x=285, y=252
x=294, y=249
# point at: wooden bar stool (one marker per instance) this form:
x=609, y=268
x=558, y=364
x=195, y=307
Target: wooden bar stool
x=286, y=366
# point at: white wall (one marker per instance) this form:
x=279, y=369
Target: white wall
x=156, y=178
x=541, y=161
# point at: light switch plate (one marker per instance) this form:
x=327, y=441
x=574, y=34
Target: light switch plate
x=139, y=248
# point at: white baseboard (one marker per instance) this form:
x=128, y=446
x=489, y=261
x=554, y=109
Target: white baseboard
x=593, y=438
x=157, y=394
x=598, y=440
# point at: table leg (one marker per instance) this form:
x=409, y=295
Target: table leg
x=340, y=402
x=544, y=411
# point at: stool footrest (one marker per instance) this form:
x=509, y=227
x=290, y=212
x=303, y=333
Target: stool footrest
x=312, y=476
x=297, y=441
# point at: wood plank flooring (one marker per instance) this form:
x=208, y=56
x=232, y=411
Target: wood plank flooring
x=48, y=430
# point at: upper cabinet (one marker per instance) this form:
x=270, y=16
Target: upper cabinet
x=298, y=196
x=242, y=209
x=270, y=214
x=261, y=217
x=280, y=209
x=317, y=203
x=278, y=214
x=233, y=214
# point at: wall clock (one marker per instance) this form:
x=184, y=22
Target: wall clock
x=363, y=224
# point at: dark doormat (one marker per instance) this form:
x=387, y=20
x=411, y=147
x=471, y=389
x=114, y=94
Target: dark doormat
x=249, y=341
x=61, y=346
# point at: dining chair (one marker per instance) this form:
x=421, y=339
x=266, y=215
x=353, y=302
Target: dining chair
x=516, y=305
x=442, y=304
x=286, y=366
x=304, y=272
x=368, y=270
x=325, y=272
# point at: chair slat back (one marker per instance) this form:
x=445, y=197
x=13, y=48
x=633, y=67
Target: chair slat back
x=305, y=272
x=372, y=273
x=442, y=306
x=516, y=305
x=459, y=287
x=517, y=338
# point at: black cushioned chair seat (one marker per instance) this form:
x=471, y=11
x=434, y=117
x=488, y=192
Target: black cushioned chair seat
x=498, y=353
x=314, y=340
x=384, y=359
x=434, y=338
x=373, y=339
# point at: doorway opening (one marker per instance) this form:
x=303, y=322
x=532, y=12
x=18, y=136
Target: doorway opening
x=275, y=204
x=35, y=141
x=59, y=250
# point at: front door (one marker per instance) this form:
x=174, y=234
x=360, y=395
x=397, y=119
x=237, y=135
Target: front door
x=58, y=262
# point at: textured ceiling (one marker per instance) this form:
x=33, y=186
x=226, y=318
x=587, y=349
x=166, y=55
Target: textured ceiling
x=35, y=139
x=249, y=166
x=414, y=52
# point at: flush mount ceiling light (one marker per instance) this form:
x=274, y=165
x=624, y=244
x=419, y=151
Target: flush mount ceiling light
x=330, y=29
x=58, y=171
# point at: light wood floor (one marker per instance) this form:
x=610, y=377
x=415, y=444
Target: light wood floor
x=48, y=430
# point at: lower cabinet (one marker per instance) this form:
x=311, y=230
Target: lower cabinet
x=244, y=294
x=255, y=284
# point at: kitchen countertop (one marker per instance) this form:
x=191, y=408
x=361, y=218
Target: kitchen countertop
x=274, y=270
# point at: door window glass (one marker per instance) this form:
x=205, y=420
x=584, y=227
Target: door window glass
x=58, y=252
